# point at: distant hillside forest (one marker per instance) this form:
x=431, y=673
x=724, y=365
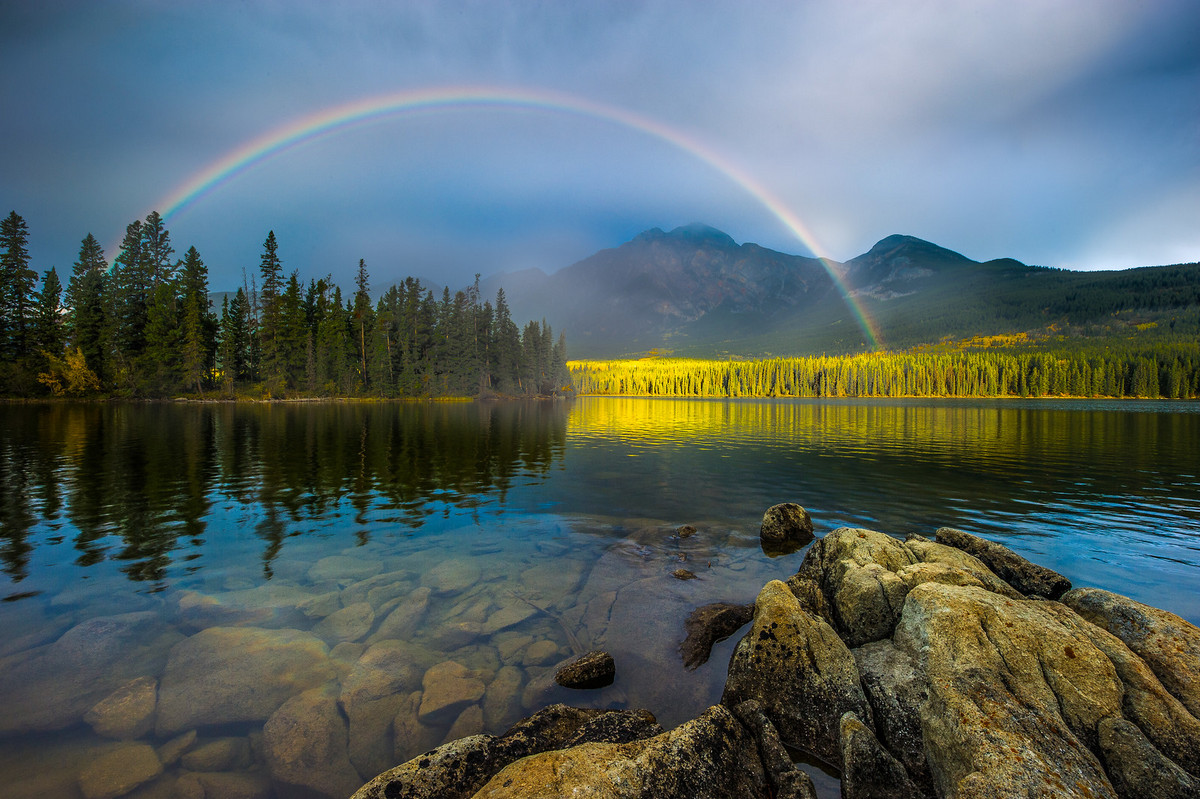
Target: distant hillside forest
x=1168, y=372
x=144, y=327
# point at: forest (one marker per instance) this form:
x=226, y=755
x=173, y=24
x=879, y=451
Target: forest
x=144, y=326
x=1167, y=372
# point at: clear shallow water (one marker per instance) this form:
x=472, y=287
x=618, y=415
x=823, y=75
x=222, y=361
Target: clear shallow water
x=502, y=538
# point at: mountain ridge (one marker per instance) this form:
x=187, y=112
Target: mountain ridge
x=694, y=290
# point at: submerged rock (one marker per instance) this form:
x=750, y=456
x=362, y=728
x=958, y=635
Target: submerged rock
x=119, y=771
x=53, y=686
x=127, y=712
x=449, y=688
x=230, y=674
x=304, y=746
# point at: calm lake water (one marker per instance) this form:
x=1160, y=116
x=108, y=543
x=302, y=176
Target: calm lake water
x=213, y=583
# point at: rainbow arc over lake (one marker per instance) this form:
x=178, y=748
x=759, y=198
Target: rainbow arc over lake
x=336, y=119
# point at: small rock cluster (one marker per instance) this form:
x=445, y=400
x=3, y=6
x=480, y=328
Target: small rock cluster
x=918, y=668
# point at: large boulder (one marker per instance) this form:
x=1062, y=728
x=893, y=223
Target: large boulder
x=1028, y=578
x=1167, y=643
x=229, y=674
x=1005, y=676
x=458, y=769
x=856, y=570
x=799, y=671
x=896, y=692
x=711, y=757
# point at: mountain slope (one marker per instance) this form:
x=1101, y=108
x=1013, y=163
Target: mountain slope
x=695, y=291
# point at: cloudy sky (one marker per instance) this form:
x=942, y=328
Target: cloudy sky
x=1056, y=132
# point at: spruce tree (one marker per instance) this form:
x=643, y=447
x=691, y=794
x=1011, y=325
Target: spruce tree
x=199, y=326
x=17, y=289
x=361, y=314
x=271, y=269
x=85, y=301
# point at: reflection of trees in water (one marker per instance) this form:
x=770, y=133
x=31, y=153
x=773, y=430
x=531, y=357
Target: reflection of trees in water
x=138, y=481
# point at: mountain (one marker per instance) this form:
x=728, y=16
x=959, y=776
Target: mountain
x=695, y=291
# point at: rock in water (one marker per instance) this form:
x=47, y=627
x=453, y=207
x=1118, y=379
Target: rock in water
x=596, y=669
x=127, y=712
x=1005, y=676
x=304, y=745
x=709, y=624
x=458, y=769
x=798, y=670
x=785, y=528
x=119, y=771
x=230, y=674
x=1028, y=578
x=449, y=688
x=1167, y=643
x=711, y=757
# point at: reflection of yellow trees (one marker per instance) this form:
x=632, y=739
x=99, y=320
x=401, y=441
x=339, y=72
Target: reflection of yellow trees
x=1173, y=372
x=985, y=435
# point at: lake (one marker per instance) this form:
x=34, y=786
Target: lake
x=194, y=578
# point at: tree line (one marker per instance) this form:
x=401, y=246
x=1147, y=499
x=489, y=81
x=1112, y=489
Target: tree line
x=1168, y=372
x=144, y=326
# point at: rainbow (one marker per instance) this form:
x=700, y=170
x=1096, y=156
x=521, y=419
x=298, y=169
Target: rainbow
x=336, y=119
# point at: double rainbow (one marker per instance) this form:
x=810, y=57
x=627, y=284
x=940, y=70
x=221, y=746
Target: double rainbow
x=336, y=119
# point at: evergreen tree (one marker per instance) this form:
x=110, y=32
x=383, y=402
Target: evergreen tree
x=199, y=325
x=506, y=348
x=125, y=319
x=17, y=289
x=160, y=369
x=269, y=324
x=293, y=335
x=235, y=340
x=86, y=301
x=157, y=252
x=49, y=336
x=361, y=314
